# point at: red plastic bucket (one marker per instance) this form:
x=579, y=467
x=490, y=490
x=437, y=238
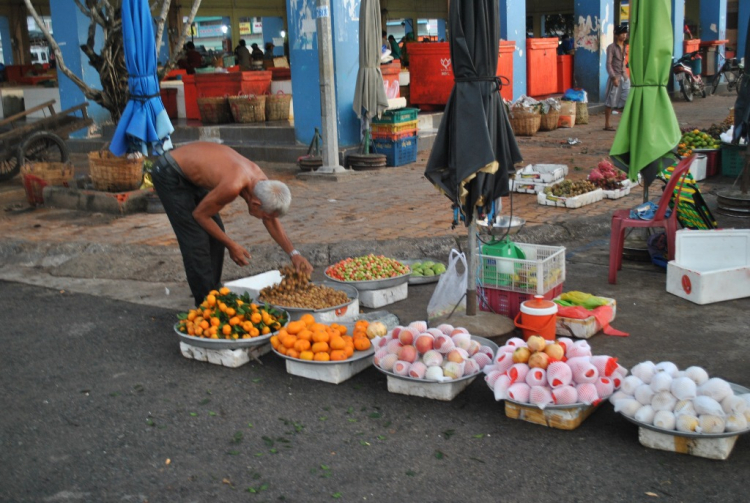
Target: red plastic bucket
x=538, y=317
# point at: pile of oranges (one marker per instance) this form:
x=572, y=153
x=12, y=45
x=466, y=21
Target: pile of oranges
x=308, y=340
x=225, y=315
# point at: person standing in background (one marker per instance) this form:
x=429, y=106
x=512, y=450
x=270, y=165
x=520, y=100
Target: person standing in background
x=243, y=56
x=618, y=84
x=395, y=49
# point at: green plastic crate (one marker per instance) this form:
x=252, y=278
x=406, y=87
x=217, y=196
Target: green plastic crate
x=732, y=159
x=397, y=116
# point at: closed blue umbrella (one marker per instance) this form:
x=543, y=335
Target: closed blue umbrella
x=145, y=121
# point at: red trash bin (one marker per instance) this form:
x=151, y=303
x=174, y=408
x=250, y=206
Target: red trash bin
x=541, y=66
x=191, y=98
x=169, y=98
x=505, y=67
x=564, y=72
x=431, y=73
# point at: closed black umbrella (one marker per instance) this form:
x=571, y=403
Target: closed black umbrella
x=475, y=148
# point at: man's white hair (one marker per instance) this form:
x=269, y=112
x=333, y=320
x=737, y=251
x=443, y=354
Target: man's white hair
x=275, y=197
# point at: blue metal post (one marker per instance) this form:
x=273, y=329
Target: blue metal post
x=272, y=27
x=71, y=30
x=441, y=30
x=594, y=31
x=303, y=48
x=6, y=38
x=742, y=20
x=714, y=19
x=678, y=31
x=513, y=28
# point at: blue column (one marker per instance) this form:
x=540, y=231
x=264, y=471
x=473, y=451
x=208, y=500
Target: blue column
x=714, y=19
x=6, y=38
x=441, y=30
x=272, y=27
x=594, y=31
x=513, y=28
x=742, y=21
x=303, y=48
x=71, y=30
x=678, y=27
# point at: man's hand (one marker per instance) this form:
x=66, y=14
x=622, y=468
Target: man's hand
x=239, y=255
x=301, y=264
x=616, y=81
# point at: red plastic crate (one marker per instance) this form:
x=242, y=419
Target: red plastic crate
x=508, y=303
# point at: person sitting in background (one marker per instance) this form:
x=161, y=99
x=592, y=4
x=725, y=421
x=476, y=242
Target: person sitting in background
x=192, y=59
x=566, y=45
x=269, y=51
x=243, y=56
x=395, y=49
x=257, y=54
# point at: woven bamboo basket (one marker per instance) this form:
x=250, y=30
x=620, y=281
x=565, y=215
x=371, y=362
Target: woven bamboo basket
x=248, y=108
x=525, y=123
x=214, y=110
x=110, y=173
x=52, y=173
x=549, y=121
x=277, y=107
x=582, y=113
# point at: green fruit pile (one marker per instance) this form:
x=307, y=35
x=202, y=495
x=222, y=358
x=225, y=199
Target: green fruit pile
x=699, y=140
x=427, y=268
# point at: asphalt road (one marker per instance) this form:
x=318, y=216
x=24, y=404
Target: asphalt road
x=99, y=406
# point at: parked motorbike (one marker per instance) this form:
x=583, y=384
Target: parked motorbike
x=690, y=84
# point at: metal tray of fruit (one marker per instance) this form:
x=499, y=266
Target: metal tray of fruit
x=358, y=355
x=578, y=406
x=205, y=342
x=374, y=284
x=738, y=390
x=349, y=290
x=422, y=280
x=481, y=340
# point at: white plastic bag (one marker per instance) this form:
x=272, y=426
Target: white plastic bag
x=450, y=291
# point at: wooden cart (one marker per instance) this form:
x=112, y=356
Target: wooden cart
x=41, y=140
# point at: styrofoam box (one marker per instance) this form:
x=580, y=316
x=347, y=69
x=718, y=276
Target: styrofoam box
x=698, y=167
x=334, y=374
x=545, y=173
x=379, y=298
x=528, y=186
x=437, y=391
x=571, y=202
x=617, y=194
x=710, y=266
x=254, y=284
x=585, y=328
x=711, y=448
x=404, y=77
x=231, y=358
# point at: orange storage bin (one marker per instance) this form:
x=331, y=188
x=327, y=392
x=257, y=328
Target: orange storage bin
x=505, y=67
x=169, y=98
x=390, y=73
x=564, y=73
x=431, y=73
x=191, y=98
x=691, y=45
x=541, y=66
x=216, y=85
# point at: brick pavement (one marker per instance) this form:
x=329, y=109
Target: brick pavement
x=382, y=205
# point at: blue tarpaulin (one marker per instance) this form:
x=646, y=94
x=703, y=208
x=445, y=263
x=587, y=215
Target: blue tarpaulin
x=145, y=122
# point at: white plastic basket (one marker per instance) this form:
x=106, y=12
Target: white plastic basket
x=542, y=270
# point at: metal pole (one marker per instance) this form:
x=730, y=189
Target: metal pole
x=471, y=280
x=327, y=91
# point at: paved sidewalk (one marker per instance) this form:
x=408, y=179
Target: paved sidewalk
x=391, y=204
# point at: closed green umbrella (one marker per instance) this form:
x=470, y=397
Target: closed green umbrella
x=648, y=130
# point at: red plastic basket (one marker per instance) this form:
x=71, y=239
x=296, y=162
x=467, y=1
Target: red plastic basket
x=506, y=302
x=34, y=187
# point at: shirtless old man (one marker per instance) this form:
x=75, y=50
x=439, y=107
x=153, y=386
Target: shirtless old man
x=194, y=183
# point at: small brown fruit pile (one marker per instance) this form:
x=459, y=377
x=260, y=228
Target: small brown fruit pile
x=295, y=290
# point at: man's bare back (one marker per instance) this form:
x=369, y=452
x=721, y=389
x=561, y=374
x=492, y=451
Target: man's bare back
x=209, y=165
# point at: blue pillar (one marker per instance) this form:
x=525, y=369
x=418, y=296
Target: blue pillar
x=513, y=29
x=742, y=21
x=71, y=30
x=594, y=31
x=441, y=30
x=303, y=48
x=678, y=32
x=543, y=25
x=714, y=19
x=272, y=27
x=6, y=38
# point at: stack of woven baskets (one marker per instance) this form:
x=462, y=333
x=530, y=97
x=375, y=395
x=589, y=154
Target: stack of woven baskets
x=110, y=173
x=248, y=108
x=244, y=109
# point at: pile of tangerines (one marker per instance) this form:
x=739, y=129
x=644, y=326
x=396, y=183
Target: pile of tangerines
x=307, y=339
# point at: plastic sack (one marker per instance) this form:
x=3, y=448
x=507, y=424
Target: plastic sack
x=578, y=95
x=450, y=292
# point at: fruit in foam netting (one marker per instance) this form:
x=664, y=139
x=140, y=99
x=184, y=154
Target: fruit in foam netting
x=462, y=341
x=376, y=329
x=396, y=331
x=539, y=361
x=444, y=343
x=393, y=346
x=401, y=368
x=417, y=370
x=379, y=355
x=434, y=373
x=536, y=343
x=452, y=370
x=408, y=354
x=516, y=341
x=555, y=351
x=518, y=372
x=521, y=355
x=482, y=360
x=420, y=326
x=425, y=343
x=474, y=348
x=457, y=355
x=446, y=328
x=504, y=361
x=471, y=367
x=459, y=330
x=387, y=362
x=432, y=358
x=407, y=336
x=487, y=351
